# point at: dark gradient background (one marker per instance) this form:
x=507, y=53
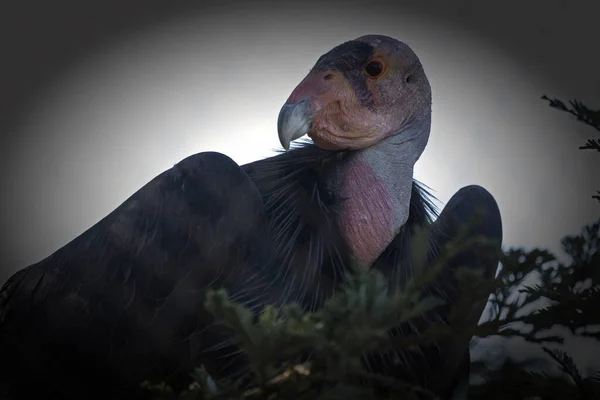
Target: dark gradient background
x=99, y=97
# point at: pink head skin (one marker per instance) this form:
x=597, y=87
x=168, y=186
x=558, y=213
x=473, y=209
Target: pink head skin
x=370, y=95
x=360, y=93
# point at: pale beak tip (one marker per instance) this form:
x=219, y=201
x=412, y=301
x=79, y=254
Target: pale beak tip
x=294, y=121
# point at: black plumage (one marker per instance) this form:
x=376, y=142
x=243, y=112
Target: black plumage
x=124, y=301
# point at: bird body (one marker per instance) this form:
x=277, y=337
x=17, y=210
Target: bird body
x=124, y=301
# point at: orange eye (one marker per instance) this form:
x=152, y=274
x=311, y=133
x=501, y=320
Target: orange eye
x=374, y=68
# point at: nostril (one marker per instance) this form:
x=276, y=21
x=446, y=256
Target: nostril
x=328, y=77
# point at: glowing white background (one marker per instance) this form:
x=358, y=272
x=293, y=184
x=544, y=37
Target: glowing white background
x=137, y=107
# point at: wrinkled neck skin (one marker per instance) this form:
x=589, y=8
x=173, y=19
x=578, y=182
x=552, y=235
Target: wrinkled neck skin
x=376, y=185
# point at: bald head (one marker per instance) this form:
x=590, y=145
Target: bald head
x=358, y=94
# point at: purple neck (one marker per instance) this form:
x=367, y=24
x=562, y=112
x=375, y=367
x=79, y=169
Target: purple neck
x=377, y=185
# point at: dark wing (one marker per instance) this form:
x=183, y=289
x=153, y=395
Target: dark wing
x=443, y=365
x=123, y=302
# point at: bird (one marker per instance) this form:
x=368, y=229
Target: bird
x=124, y=301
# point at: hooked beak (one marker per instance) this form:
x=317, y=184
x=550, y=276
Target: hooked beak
x=294, y=121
